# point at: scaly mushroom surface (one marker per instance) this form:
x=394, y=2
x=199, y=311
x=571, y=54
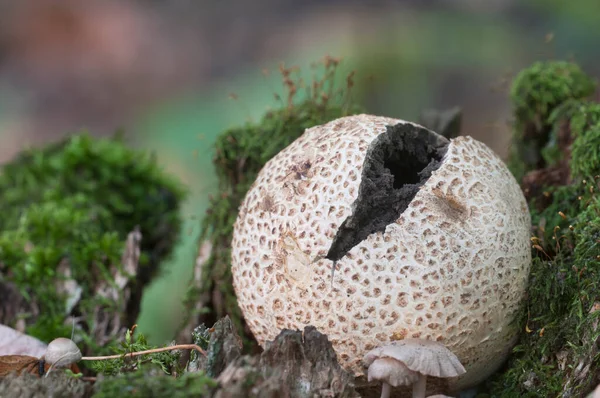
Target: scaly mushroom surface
x=375, y=229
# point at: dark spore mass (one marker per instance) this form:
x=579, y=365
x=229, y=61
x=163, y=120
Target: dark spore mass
x=397, y=164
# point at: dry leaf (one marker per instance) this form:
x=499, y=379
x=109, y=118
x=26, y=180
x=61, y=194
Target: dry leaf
x=22, y=364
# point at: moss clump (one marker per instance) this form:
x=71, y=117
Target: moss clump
x=166, y=361
x=536, y=93
x=240, y=153
x=67, y=209
x=127, y=183
x=47, y=234
x=558, y=352
x=585, y=151
x=145, y=384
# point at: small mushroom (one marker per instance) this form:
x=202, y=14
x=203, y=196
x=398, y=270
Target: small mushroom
x=410, y=361
x=391, y=373
x=62, y=353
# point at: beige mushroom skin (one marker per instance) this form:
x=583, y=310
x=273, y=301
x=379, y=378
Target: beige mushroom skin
x=451, y=268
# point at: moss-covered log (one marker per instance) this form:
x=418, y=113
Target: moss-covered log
x=74, y=216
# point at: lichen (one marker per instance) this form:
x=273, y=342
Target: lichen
x=67, y=208
x=240, y=153
x=557, y=354
x=536, y=93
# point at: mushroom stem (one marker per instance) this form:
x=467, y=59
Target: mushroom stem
x=419, y=386
x=386, y=389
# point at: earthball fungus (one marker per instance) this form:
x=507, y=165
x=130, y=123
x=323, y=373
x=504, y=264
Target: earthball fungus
x=375, y=229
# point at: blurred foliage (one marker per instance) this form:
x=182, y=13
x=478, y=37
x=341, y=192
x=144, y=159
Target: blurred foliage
x=585, y=151
x=46, y=234
x=535, y=93
x=72, y=204
x=128, y=183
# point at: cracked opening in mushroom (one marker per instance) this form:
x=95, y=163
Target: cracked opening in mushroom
x=397, y=164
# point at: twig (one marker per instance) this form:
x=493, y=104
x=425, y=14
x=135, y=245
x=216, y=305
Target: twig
x=155, y=350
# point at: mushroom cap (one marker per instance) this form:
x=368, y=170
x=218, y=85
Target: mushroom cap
x=424, y=356
x=62, y=352
x=393, y=372
x=451, y=267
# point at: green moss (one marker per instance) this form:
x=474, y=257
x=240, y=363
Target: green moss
x=539, y=89
x=535, y=94
x=73, y=203
x=127, y=183
x=557, y=354
x=240, y=153
x=166, y=361
x=158, y=374
x=585, y=151
x=144, y=384
x=46, y=234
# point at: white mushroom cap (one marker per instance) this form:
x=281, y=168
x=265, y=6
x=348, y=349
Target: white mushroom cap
x=62, y=352
x=452, y=267
x=391, y=371
x=426, y=357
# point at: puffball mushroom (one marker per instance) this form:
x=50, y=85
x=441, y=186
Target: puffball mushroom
x=62, y=352
x=375, y=229
x=421, y=357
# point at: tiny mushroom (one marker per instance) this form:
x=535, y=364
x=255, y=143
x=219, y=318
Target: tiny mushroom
x=375, y=229
x=413, y=360
x=391, y=373
x=62, y=352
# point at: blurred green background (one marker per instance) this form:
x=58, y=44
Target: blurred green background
x=165, y=72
